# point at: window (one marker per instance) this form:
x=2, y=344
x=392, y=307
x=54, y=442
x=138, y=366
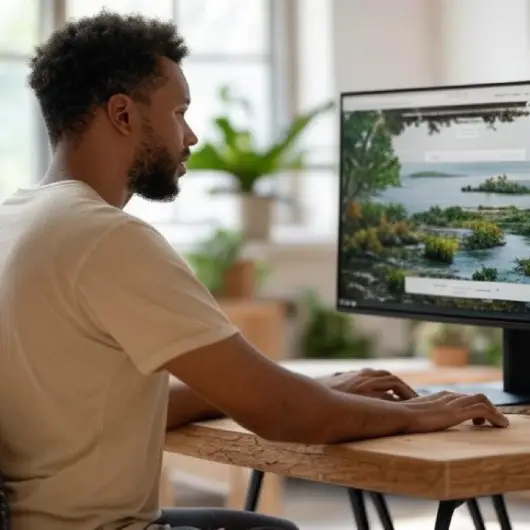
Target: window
x=316, y=79
x=239, y=58
x=19, y=147
x=154, y=8
x=269, y=55
x=317, y=188
x=310, y=84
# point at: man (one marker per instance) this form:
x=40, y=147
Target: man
x=97, y=309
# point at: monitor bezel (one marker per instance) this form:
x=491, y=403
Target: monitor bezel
x=491, y=319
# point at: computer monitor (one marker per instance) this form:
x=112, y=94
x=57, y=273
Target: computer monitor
x=435, y=213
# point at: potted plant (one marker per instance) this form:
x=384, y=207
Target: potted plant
x=490, y=346
x=219, y=264
x=329, y=334
x=449, y=345
x=235, y=153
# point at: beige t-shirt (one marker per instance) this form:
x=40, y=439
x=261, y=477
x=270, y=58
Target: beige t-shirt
x=92, y=303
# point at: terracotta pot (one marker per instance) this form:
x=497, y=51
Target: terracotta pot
x=450, y=356
x=256, y=217
x=239, y=280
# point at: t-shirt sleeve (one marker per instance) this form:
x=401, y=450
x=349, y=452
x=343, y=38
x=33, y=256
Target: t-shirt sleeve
x=142, y=294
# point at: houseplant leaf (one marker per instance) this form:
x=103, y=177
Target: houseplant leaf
x=236, y=141
x=281, y=148
x=235, y=153
x=207, y=158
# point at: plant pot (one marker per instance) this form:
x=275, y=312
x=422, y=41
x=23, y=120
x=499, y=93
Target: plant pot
x=454, y=356
x=239, y=280
x=256, y=217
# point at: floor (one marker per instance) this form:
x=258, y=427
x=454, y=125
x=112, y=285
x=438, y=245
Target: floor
x=318, y=507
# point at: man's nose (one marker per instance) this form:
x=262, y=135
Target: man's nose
x=191, y=138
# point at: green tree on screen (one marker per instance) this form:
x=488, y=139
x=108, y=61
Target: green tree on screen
x=369, y=162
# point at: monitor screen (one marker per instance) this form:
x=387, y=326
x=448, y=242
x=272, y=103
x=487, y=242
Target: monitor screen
x=435, y=203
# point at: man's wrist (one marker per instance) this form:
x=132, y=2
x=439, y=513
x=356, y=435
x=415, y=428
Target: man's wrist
x=406, y=416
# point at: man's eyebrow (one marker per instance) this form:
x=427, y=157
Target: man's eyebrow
x=186, y=103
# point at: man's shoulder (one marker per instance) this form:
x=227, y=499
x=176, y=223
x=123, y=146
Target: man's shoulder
x=71, y=222
x=79, y=212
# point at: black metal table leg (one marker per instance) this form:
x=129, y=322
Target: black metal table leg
x=359, y=508
x=502, y=513
x=476, y=514
x=254, y=490
x=444, y=516
x=381, y=507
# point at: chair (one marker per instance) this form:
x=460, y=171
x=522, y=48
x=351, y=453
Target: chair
x=5, y=514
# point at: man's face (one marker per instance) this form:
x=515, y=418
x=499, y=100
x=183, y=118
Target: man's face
x=165, y=140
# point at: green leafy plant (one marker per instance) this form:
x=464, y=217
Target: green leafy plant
x=214, y=256
x=395, y=280
x=329, y=334
x=236, y=153
x=484, y=235
x=451, y=335
x=485, y=274
x=523, y=266
x=491, y=342
x=441, y=249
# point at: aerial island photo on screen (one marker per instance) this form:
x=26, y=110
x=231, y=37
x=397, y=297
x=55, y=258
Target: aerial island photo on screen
x=435, y=193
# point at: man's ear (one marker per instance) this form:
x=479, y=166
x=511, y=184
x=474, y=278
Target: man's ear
x=122, y=113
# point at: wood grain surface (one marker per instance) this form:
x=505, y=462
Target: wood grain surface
x=462, y=462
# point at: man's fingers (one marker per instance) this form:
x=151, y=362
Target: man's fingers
x=494, y=416
x=381, y=394
x=375, y=373
x=482, y=410
x=428, y=398
x=386, y=383
x=473, y=399
x=406, y=391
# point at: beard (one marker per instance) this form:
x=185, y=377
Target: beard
x=153, y=173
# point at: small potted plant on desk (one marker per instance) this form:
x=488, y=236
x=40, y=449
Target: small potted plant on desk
x=449, y=345
x=236, y=153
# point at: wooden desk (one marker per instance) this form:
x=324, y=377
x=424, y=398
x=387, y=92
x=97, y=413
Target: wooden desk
x=459, y=463
x=222, y=442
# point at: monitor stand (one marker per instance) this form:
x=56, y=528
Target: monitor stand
x=515, y=387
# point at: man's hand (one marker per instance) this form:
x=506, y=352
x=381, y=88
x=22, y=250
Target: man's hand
x=371, y=383
x=446, y=409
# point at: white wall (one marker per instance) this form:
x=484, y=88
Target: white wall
x=383, y=44
x=481, y=41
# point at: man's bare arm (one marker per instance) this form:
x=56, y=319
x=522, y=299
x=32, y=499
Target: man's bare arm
x=280, y=405
x=186, y=406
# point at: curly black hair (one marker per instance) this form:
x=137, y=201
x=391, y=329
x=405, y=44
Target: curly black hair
x=87, y=61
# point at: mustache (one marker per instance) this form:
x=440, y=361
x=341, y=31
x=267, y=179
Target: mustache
x=186, y=154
